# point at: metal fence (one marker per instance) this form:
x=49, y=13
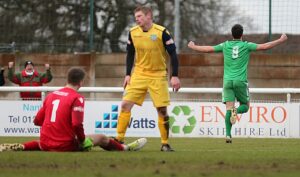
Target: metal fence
x=102, y=26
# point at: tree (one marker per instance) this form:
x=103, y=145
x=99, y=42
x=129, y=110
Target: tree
x=63, y=25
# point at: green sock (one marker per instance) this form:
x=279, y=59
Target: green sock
x=243, y=108
x=228, y=125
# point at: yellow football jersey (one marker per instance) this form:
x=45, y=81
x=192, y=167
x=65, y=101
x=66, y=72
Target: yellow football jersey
x=150, y=53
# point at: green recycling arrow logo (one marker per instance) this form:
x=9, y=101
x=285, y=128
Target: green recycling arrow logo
x=182, y=113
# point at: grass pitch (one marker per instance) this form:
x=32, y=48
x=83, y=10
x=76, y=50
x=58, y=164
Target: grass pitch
x=193, y=157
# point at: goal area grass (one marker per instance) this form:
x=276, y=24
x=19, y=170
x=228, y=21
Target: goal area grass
x=247, y=157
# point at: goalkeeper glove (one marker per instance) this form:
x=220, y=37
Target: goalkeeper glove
x=87, y=144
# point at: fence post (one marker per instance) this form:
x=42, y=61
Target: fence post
x=288, y=97
x=91, y=35
x=270, y=20
x=177, y=25
x=43, y=96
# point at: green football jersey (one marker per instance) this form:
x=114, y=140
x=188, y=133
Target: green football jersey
x=236, y=58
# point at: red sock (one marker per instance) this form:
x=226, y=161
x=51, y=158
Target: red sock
x=113, y=146
x=31, y=146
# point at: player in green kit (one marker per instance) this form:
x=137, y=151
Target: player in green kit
x=235, y=83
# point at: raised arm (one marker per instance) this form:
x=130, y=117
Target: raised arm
x=12, y=76
x=272, y=44
x=47, y=76
x=206, y=49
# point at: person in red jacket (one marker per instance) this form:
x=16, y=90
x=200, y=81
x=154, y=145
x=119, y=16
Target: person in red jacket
x=29, y=77
x=61, y=122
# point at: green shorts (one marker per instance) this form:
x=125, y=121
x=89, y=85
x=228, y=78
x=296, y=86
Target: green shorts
x=235, y=90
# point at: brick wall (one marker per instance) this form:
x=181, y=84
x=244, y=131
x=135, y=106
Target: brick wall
x=196, y=70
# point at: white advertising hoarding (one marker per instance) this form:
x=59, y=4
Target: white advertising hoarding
x=102, y=117
x=187, y=119
x=206, y=119
x=17, y=118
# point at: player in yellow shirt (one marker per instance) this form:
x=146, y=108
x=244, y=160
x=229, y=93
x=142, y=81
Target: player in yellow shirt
x=147, y=48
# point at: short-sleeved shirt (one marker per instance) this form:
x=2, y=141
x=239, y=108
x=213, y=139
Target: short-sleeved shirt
x=236, y=58
x=61, y=118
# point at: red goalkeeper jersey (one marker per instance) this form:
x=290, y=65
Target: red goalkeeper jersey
x=61, y=119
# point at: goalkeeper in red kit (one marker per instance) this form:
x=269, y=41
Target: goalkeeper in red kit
x=61, y=121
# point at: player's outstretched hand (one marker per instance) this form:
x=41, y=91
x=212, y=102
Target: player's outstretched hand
x=191, y=44
x=283, y=37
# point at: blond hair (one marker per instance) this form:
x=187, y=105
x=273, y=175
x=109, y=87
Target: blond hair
x=146, y=10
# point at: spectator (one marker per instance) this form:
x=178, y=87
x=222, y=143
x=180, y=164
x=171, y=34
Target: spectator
x=29, y=77
x=2, y=81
